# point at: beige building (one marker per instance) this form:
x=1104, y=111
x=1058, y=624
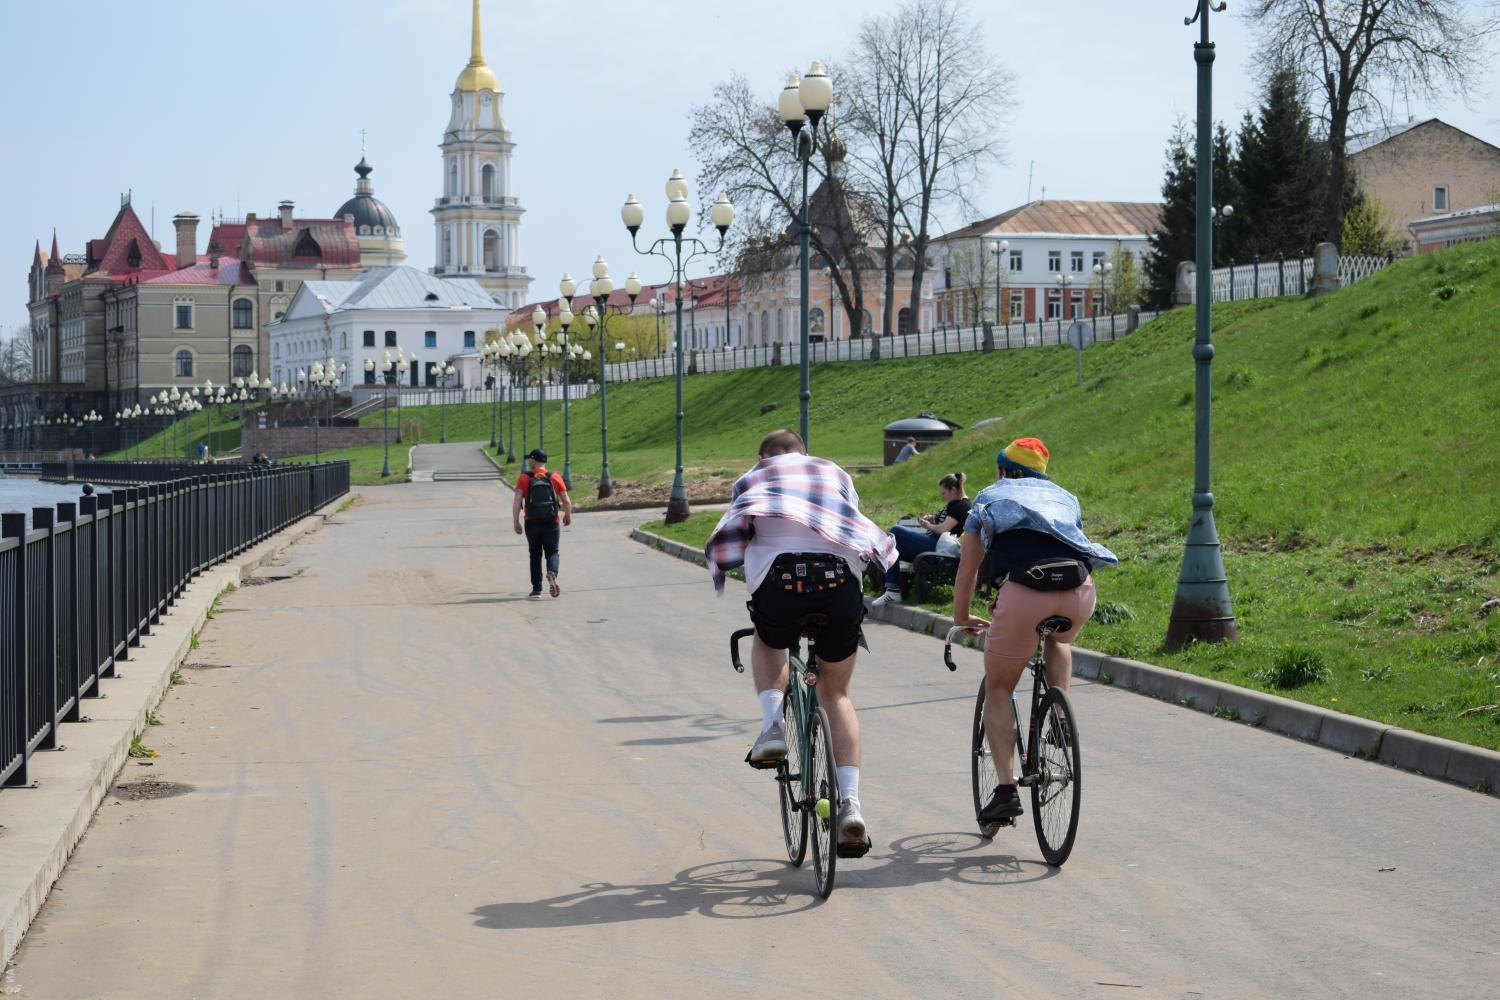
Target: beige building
x=1425, y=168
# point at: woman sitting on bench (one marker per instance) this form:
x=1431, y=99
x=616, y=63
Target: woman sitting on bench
x=938, y=532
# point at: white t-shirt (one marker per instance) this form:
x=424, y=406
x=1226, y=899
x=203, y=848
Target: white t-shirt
x=775, y=535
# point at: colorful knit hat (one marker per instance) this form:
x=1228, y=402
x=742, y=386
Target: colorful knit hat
x=1027, y=456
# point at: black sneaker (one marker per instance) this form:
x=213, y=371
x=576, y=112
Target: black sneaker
x=1004, y=804
x=535, y=595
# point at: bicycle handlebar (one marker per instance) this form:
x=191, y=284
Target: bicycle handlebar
x=948, y=643
x=734, y=648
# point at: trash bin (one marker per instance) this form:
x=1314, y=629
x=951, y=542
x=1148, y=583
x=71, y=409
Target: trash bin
x=927, y=429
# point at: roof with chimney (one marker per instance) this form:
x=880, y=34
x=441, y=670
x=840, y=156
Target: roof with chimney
x=1111, y=219
x=127, y=250
x=305, y=243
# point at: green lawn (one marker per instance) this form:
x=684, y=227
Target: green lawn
x=365, y=462
x=1356, y=476
x=183, y=442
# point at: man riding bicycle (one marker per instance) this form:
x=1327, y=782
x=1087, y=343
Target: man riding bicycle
x=1027, y=533
x=794, y=525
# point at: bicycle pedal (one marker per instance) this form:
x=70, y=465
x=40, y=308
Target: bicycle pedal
x=763, y=765
x=855, y=850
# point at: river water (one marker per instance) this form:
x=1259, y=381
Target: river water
x=22, y=494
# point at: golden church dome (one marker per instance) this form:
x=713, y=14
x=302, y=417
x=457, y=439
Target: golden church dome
x=477, y=75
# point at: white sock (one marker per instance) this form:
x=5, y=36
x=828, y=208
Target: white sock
x=849, y=782
x=770, y=708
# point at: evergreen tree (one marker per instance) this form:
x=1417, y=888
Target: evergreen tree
x=1281, y=173
x=1228, y=238
x=1173, y=240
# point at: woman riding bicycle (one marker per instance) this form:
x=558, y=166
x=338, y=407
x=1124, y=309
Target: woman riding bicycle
x=1026, y=532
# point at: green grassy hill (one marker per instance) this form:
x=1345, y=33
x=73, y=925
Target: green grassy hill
x=1356, y=473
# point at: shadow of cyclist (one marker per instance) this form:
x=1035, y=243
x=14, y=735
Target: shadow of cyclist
x=755, y=888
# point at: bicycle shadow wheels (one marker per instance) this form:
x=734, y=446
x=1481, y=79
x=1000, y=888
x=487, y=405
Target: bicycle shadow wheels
x=824, y=786
x=1058, y=791
x=983, y=775
x=789, y=781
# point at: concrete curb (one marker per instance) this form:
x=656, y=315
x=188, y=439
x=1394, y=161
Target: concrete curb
x=43, y=825
x=1431, y=756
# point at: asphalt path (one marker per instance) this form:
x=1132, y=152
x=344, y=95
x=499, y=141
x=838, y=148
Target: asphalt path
x=404, y=779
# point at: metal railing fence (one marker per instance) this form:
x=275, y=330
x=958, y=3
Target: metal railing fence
x=90, y=577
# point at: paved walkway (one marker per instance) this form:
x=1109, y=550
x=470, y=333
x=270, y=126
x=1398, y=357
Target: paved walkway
x=404, y=779
x=459, y=461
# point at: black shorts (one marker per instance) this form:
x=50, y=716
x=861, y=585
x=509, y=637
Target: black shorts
x=777, y=606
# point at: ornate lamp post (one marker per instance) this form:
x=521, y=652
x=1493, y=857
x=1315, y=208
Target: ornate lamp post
x=1064, y=282
x=520, y=365
x=443, y=372
x=998, y=249
x=600, y=289
x=1201, y=610
x=1222, y=214
x=1101, y=271
x=543, y=349
x=679, y=213
x=803, y=102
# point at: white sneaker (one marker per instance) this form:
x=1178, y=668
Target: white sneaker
x=851, y=823
x=889, y=597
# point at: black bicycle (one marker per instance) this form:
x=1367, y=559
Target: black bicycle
x=1051, y=765
x=807, y=778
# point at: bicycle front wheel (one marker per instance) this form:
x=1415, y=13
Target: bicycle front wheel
x=984, y=777
x=789, y=780
x=1057, y=791
x=823, y=789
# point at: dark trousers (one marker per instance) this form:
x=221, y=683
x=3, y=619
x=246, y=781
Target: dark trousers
x=542, y=537
x=910, y=543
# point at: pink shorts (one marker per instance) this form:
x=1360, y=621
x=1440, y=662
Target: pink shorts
x=1017, y=609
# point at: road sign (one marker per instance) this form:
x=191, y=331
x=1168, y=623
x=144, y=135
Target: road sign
x=1080, y=335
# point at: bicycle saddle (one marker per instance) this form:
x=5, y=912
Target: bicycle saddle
x=1055, y=623
x=808, y=625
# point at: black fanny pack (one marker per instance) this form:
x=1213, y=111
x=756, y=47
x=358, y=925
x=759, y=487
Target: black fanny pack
x=809, y=573
x=1051, y=574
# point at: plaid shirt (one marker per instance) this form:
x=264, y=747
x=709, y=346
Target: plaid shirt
x=813, y=492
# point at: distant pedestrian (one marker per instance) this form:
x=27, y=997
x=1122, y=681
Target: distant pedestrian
x=907, y=450
x=542, y=497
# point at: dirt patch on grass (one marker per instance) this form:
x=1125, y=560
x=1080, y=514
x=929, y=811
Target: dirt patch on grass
x=700, y=489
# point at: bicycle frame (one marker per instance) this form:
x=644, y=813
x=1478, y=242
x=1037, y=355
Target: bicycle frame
x=1039, y=687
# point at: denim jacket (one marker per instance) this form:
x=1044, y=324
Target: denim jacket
x=1037, y=505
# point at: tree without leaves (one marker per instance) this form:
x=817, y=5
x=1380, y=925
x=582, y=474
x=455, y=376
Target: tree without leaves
x=746, y=152
x=956, y=97
x=16, y=356
x=1350, y=50
x=974, y=270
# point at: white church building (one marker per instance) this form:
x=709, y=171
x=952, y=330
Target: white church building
x=477, y=219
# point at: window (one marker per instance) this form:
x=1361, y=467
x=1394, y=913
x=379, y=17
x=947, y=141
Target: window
x=429, y=339
x=1054, y=260
x=1054, y=304
x=390, y=338
x=370, y=376
x=1099, y=259
x=369, y=338
x=487, y=181
x=279, y=316
x=344, y=340
x=184, y=318
x=468, y=338
x=1015, y=260
x=184, y=364
x=1077, y=303
x=1075, y=262
x=1440, y=199
x=491, y=250
x=280, y=285
x=1017, y=306
x=244, y=361
x=244, y=314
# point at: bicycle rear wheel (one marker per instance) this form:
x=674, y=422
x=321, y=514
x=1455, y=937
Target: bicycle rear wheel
x=1057, y=793
x=823, y=785
x=789, y=779
x=984, y=777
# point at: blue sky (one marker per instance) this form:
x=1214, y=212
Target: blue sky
x=234, y=107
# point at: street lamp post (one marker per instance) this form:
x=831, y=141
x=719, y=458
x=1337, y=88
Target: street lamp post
x=443, y=372
x=1222, y=214
x=802, y=103
x=571, y=352
x=1064, y=282
x=679, y=213
x=1201, y=610
x=600, y=289
x=1102, y=270
x=998, y=249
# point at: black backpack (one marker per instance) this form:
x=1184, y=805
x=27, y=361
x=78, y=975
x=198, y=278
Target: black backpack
x=541, y=498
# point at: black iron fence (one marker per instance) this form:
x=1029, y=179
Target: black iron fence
x=91, y=577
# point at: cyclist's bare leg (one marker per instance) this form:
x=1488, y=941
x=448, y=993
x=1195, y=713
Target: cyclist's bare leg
x=833, y=695
x=1059, y=657
x=1001, y=674
x=768, y=666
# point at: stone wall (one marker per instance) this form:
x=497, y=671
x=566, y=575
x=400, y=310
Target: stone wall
x=281, y=442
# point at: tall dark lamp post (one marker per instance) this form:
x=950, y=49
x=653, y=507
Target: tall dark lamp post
x=1222, y=214
x=1201, y=611
x=803, y=103
x=444, y=372
x=679, y=214
x=600, y=289
x=1102, y=271
x=999, y=250
x=570, y=354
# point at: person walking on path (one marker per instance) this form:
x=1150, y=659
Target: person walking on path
x=541, y=497
x=794, y=525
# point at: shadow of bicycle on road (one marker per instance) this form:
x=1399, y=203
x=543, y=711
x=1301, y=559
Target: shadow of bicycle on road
x=756, y=888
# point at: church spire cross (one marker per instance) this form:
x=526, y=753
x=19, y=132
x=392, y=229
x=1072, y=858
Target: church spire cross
x=476, y=54
x=362, y=135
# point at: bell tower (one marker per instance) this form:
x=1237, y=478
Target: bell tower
x=477, y=220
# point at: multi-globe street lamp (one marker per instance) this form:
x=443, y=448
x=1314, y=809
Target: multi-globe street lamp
x=1221, y=215
x=802, y=105
x=544, y=348
x=1064, y=283
x=1102, y=271
x=1201, y=609
x=520, y=368
x=679, y=214
x=497, y=354
x=999, y=250
x=443, y=372
x=320, y=385
x=600, y=289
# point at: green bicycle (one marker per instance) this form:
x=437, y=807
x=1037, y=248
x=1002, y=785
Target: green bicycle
x=807, y=778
